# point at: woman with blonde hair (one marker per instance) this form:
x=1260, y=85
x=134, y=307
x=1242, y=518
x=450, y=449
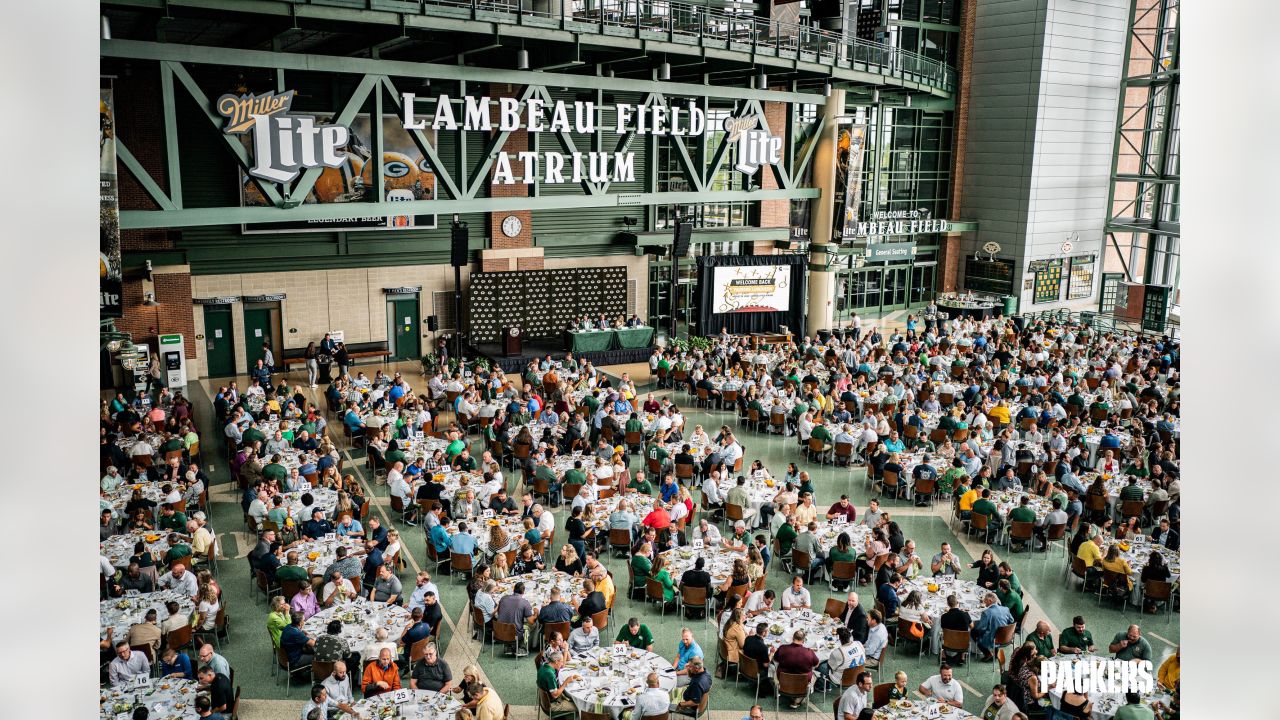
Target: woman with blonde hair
x=205, y=578
x=498, y=541
x=391, y=554
x=207, y=608
x=500, y=569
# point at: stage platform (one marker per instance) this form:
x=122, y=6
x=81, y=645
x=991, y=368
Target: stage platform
x=540, y=348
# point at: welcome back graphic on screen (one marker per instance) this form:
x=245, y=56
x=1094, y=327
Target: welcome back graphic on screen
x=763, y=288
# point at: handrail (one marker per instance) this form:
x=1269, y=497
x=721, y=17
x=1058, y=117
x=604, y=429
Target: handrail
x=684, y=22
x=1101, y=323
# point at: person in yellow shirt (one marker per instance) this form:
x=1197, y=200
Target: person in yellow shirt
x=999, y=414
x=1116, y=564
x=967, y=497
x=1170, y=670
x=1090, y=553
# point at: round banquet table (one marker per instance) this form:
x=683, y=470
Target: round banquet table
x=162, y=697
x=612, y=677
x=719, y=562
x=360, y=618
x=123, y=613
x=406, y=703
x=323, y=499
x=819, y=629
x=453, y=484
x=976, y=309
x=1139, y=553
x=829, y=530
x=119, y=497
x=326, y=552
x=935, y=603
x=760, y=490
x=119, y=548
x=537, y=587
x=917, y=709
x=1105, y=705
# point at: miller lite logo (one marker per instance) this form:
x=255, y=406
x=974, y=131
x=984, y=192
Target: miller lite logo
x=283, y=144
x=755, y=147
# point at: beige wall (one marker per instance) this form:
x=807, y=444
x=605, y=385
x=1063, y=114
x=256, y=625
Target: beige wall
x=351, y=299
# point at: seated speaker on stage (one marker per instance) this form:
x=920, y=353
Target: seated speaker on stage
x=635, y=322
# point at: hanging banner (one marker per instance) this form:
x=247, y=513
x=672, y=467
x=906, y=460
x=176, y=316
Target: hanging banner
x=110, y=287
x=406, y=173
x=852, y=146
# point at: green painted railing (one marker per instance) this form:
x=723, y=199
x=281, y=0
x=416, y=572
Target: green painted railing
x=697, y=25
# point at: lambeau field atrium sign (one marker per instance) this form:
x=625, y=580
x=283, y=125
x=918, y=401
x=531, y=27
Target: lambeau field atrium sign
x=285, y=144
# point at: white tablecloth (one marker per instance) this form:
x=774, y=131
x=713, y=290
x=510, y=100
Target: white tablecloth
x=119, y=548
x=122, y=613
x=935, y=603
x=327, y=552
x=360, y=618
x=920, y=710
x=719, y=562
x=612, y=677
x=167, y=699
x=409, y=704
x=537, y=587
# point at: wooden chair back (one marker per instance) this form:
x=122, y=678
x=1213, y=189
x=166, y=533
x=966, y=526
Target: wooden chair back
x=1021, y=530
x=460, y=563
x=955, y=640
x=505, y=632
x=793, y=684
x=834, y=608
x=561, y=627
x=320, y=670
x=600, y=620
x=880, y=694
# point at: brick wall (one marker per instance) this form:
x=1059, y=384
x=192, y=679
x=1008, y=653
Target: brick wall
x=140, y=127
x=949, y=261
x=773, y=213
x=949, y=252
x=174, y=315
x=517, y=141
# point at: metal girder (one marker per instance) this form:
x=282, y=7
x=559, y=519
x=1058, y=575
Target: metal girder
x=144, y=178
x=490, y=152
x=692, y=170
x=188, y=217
x=302, y=187
x=140, y=50
x=428, y=150
x=232, y=143
x=566, y=141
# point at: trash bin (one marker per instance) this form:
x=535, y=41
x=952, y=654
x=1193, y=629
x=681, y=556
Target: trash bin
x=1010, y=305
x=324, y=364
x=823, y=336
x=838, y=334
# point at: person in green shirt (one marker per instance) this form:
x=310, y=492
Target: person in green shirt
x=278, y=618
x=177, y=549
x=543, y=471
x=1006, y=573
x=308, y=427
x=634, y=424
x=1010, y=598
x=574, y=475
x=394, y=455
x=1042, y=638
x=274, y=470
x=1022, y=513
x=984, y=506
x=659, y=453
x=548, y=681
x=465, y=462
x=278, y=513
x=640, y=484
x=592, y=402
x=1130, y=645
x=636, y=634
x=175, y=444
x=1133, y=709
x=1076, y=639
x=171, y=519
x=785, y=536
x=663, y=576
x=821, y=432
x=252, y=433
x=641, y=566
x=292, y=571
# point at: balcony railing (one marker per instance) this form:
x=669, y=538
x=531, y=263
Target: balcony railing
x=696, y=25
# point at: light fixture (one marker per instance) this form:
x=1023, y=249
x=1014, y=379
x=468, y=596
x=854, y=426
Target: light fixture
x=908, y=101
x=762, y=80
x=149, y=299
x=106, y=28
x=114, y=346
x=826, y=89
x=522, y=59
x=664, y=69
x=875, y=96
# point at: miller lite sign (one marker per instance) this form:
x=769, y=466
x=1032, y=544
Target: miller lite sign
x=756, y=147
x=283, y=144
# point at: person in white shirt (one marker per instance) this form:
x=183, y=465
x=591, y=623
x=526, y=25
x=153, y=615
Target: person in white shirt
x=731, y=453
x=796, y=597
x=398, y=487
x=337, y=591
x=179, y=579
x=584, y=638
x=706, y=532
x=339, y=684
x=760, y=601
x=711, y=495
x=857, y=697
x=546, y=524
x=127, y=664
x=943, y=687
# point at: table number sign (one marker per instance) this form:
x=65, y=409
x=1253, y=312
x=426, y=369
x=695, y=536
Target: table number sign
x=401, y=696
x=487, y=514
x=697, y=543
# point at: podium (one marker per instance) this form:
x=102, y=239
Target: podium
x=512, y=342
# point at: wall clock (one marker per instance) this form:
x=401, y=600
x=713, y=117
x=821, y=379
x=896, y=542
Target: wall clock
x=511, y=226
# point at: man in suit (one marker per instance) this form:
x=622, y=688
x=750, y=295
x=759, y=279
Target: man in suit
x=1166, y=535
x=855, y=618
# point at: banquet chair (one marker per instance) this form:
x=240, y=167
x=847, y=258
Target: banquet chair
x=289, y=588
x=1080, y=571
x=924, y=487
x=691, y=598
x=234, y=713
x=842, y=454
x=544, y=703
x=320, y=671
x=588, y=715
x=219, y=627
x=478, y=625
x=791, y=684
x=653, y=592
x=842, y=571
x=178, y=638
x=265, y=585
x=550, y=628
x=978, y=521
x=460, y=565
x=820, y=450
x=506, y=634
x=600, y=620
x=955, y=641
x=1003, y=639
x=282, y=660
x=801, y=562
x=892, y=485
x=902, y=635
x=1020, y=531
x=1158, y=591
x=1111, y=582
x=880, y=694
x=749, y=669
x=834, y=608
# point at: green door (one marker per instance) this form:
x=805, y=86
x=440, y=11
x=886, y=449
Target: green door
x=257, y=330
x=897, y=280
x=402, y=321
x=219, y=347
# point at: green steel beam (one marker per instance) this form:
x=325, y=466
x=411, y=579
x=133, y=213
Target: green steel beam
x=144, y=178
x=442, y=175
x=171, y=154
x=231, y=143
x=376, y=139
x=140, y=50
x=566, y=142
x=189, y=217
x=302, y=188
x=806, y=151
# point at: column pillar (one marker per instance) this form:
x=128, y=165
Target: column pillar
x=822, y=282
